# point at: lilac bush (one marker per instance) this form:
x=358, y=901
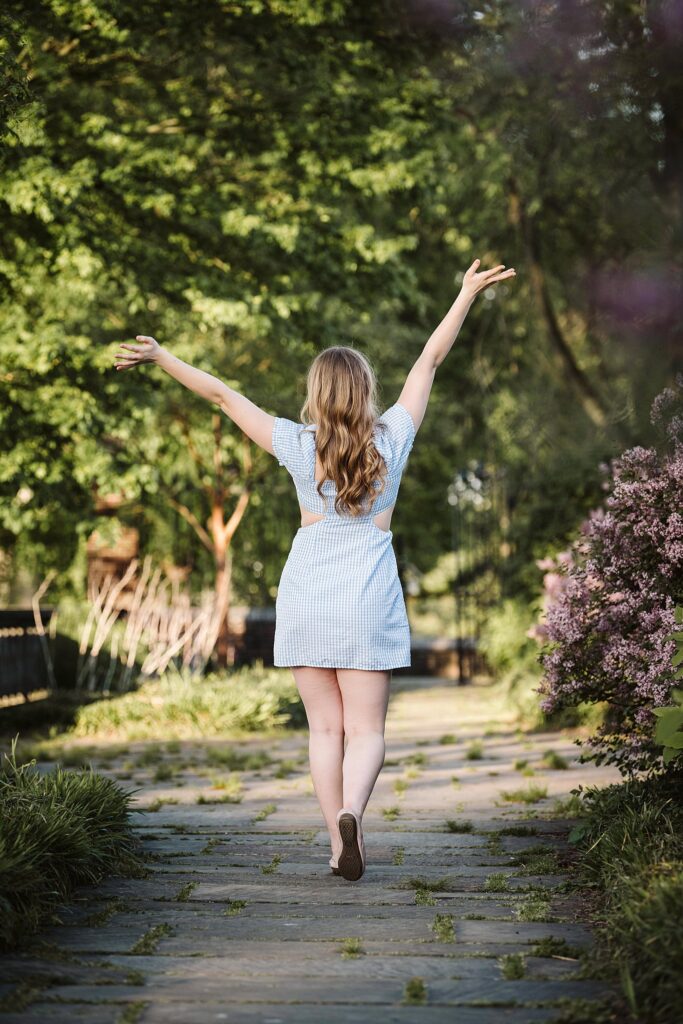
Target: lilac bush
x=609, y=607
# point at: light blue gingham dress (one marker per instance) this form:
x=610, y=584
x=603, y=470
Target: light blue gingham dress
x=339, y=602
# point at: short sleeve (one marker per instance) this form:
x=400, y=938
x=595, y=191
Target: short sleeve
x=288, y=445
x=401, y=434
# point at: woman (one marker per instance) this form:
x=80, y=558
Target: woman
x=341, y=621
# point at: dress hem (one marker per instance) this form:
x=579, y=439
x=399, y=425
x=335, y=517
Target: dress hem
x=308, y=663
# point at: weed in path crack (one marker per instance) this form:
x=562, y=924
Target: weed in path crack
x=531, y=795
x=234, y=907
x=351, y=949
x=512, y=966
x=496, y=882
x=415, y=992
x=102, y=916
x=537, y=910
x=183, y=894
x=399, y=856
x=151, y=939
x=132, y=1013
x=270, y=869
x=551, y=946
x=442, y=926
x=265, y=812
x=424, y=898
x=459, y=825
x=536, y=860
x=391, y=813
x=554, y=761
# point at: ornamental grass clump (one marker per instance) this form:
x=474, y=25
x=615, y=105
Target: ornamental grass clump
x=58, y=830
x=609, y=618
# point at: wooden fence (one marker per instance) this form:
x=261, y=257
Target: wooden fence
x=23, y=665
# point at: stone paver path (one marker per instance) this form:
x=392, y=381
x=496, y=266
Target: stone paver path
x=462, y=914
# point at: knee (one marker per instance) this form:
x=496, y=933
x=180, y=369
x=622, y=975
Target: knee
x=356, y=730
x=329, y=730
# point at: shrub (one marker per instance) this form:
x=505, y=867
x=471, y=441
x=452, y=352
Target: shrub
x=57, y=830
x=610, y=621
x=245, y=701
x=632, y=852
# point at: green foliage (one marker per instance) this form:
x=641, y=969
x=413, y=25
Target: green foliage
x=631, y=846
x=299, y=181
x=669, y=728
x=513, y=966
x=58, y=830
x=243, y=702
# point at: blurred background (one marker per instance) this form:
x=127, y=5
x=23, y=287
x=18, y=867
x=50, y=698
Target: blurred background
x=252, y=182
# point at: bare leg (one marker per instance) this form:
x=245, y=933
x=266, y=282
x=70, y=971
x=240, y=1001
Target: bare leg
x=365, y=697
x=319, y=691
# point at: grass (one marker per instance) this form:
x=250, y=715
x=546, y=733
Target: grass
x=550, y=946
x=253, y=699
x=419, y=759
x=475, y=751
x=151, y=939
x=270, y=869
x=459, y=826
x=536, y=860
x=554, y=761
x=158, y=803
x=132, y=1012
x=531, y=795
x=447, y=740
x=442, y=926
x=568, y=807
x=229, y=791
x=536, y=909
x=415, y=992
x=631, y=844
x=351, y=949
x=58, y=830
x=519, y=830
x=400, y=787
x=183, y=894
x=234, y=907
x=512, y=966
x=238, y=760
x=391, y=813
x=399, y=856
x=497, y=882
x=424, y=898
x=265, y=812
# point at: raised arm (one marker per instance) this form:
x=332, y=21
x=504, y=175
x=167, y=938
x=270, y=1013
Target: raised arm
x=418, y=385
x=249, y=417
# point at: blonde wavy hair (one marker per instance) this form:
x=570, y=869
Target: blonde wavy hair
x=342, y=402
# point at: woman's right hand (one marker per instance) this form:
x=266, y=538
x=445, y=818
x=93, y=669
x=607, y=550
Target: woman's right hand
x=147, y=351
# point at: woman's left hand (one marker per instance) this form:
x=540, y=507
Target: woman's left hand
x=475, y=282
x=146, y=352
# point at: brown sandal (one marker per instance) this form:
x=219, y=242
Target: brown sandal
x=351, y=863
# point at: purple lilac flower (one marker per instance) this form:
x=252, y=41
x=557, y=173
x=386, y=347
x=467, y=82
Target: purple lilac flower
x=609, y=602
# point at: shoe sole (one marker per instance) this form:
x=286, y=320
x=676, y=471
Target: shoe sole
x=350, y=861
